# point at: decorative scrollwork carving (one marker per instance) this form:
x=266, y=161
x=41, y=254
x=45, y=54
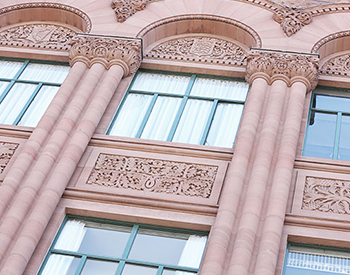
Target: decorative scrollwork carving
x=339, y=65
x=42, y=36
x=292, y=20
x=152, y=175
x=7, y=151
x=289, y=64
x=107, y=50
x=200, y=49
x=125, y=8
x=327, y=195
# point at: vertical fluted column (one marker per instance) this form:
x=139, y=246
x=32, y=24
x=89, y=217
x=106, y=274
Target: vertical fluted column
x=273, y=225
x=221, y=232
x=249, y=222
x=109, y=60
x=40, y=134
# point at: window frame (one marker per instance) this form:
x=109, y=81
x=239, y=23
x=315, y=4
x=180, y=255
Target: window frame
x=124, y=258
x=335, y=92
x=12, y=81
x=184, y=98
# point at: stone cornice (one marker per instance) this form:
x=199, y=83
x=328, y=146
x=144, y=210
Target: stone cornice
x=108, y=51
x=287, y=66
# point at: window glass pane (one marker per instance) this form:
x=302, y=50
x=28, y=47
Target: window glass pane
x=225, y=125
x=172, y=272
x=157, y=246
x=45, y=73
x=94, y=267
x=98, y=241
x=136, y=269
x=320, y=135
x=193, y=121
x=219, y=88
x=8, y=69
x=39, y=105
x=335, y=103
x=344, y=142
x=61, y=264
x=131, y=115
x=3, y=85
x=172, y=84
x=14, y=102
x=161, y=119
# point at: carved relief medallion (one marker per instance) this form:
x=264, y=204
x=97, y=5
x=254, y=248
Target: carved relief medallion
x=125, y=8
x=153, y=175
x=44, y=36
x=327, y=195
x=200, y=49
x=339, y=65
x=7, y=150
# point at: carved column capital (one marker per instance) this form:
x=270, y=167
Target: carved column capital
x=108, y=51
x=288, y=66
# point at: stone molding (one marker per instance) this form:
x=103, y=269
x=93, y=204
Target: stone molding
x=326, y=195
x=123, y=9
x=153, y=175
x=209, y=17
x=339, y=65
x=200, y=49
x=292, y=20
x=327, y=39
x=41, y=36
x=290, y=66
x=81, y=14
x=107, y=50
x=7, y=150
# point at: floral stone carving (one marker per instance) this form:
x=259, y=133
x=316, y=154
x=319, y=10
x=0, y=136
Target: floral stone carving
x=326, y=195
x=307, y=3
x=288, y=64
x=337, y=66
x=43, y=36
x=125, y=8
x=125, y=52
x=7, y=150
x=153, y=175
x=200, y=49
x=292, y=20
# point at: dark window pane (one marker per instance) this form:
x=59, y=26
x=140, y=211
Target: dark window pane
x=320, y=136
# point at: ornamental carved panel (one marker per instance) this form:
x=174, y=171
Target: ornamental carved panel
x=7, y=151
x=201, y=49
x=326, y=195
x=153, y=175
x=339, y=65
x=42, y=36
x=308, y=3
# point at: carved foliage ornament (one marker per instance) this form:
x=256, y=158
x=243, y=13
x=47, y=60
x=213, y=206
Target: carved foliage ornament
x=43, y=36
x=200, y=49
x=152, y=175
x=125, y=8
x=7, y=150
x=292, y=20
x=326, y=195
x=288, y=64
x=108, y=51
x=339, y=65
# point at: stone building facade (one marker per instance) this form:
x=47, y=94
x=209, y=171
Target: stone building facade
x=262, y=190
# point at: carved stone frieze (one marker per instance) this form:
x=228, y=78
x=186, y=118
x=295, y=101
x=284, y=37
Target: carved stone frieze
x=107, y=50
x=337, y=66
x=43, y=36
x=326, y=195
x=7, y=151
x=307, y=3
x=292, y=20
x=289, y=64
x=200, y=49
x=125, y=8
x=153, y=175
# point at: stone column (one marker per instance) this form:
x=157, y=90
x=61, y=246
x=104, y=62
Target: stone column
x=109, y=59
x=300, y=72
